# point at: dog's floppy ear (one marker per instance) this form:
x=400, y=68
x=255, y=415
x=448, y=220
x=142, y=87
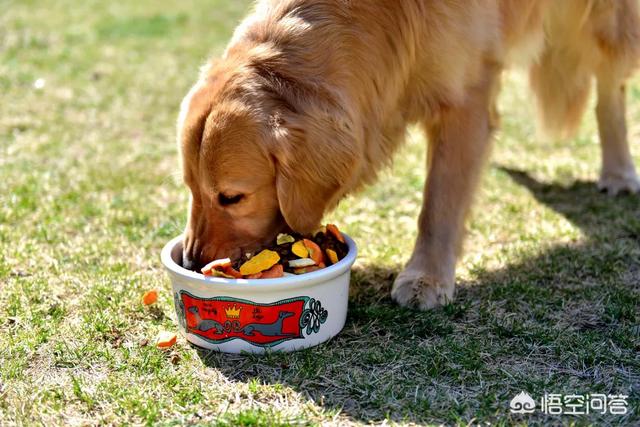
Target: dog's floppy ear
x=315, y=162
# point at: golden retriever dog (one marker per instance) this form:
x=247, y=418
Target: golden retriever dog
x=312, y=97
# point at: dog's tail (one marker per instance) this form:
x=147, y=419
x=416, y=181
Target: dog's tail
x=561, y=81
x=562, y=74
x=583, y=39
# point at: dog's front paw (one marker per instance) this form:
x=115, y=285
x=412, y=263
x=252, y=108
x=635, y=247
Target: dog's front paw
x=415, y=289
x=614, y=184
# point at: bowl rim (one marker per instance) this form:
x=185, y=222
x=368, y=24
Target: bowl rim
x=321, y=275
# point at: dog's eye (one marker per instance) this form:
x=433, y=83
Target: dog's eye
x=226, y=200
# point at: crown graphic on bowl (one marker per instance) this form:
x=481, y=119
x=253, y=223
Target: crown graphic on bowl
x=232, y=312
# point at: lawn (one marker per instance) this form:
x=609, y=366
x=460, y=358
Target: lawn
x=549, y=286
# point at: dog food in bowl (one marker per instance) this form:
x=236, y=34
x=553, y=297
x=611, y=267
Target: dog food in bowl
x=289, y=253
x=285, y=309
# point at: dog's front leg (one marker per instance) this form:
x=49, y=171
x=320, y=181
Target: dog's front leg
x=458, y=144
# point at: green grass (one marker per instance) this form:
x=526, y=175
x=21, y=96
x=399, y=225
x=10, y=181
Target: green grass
x=549, y=283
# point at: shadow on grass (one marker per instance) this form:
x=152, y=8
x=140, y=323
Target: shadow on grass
x=581, y=203
x=564, y=321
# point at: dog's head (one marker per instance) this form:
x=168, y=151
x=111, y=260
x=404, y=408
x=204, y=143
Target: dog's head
x=255, y=165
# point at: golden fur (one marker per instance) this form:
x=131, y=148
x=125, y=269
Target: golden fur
x=312, y=98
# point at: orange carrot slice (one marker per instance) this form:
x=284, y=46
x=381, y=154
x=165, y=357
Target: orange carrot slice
x=166, y=339
x=335, y=232
x=233, y=272
x=315, y=253
x=150, y=297
x=274, y=272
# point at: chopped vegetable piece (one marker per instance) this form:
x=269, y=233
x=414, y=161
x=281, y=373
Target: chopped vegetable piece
x=333, y=256
x=302, y=270
x=300, y=249
x=223, y=274
x=260, y=262
x=302, y=262
x=166, y=339
x=273, y=273
x=335, y=232
x=217, y=264
x=315, y=253
x=233, y=272
x=284, y=238
x=150, y=297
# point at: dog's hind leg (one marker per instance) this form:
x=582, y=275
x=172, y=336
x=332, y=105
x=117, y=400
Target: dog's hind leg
x=616, y=29
x=618, y=173
x=458, y=144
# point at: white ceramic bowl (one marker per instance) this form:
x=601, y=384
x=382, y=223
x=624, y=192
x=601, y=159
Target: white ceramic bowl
x=253, y=315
